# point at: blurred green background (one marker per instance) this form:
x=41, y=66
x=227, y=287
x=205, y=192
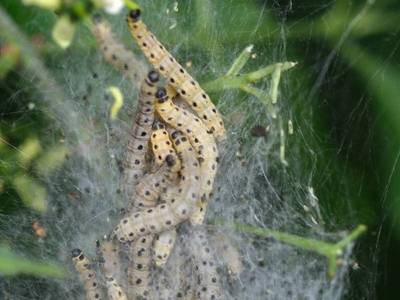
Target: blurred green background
x=344, y=93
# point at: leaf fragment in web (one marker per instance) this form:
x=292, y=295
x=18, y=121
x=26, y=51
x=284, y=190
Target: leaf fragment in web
x=63, y=31
x=118, y=101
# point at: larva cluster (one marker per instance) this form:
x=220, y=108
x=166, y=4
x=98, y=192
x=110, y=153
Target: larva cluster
x=163, y=193
x=177, y=76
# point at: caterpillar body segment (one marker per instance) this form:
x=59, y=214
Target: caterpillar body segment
x=166, y=216
x=114, y=290
x=161, y=143
x=208, y=284
x=87, y=275
x=163, y=245
x=116, y=54
x=109, y=250
x=177, y=77
x=201, y=140
x=134, y=163
x=139, y=276
x=152, y=185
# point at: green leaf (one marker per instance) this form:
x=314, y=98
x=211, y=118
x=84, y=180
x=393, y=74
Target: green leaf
x=11, y=264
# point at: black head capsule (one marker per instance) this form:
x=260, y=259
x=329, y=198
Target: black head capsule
x=76, y=252
x=161, y=94
x=153, y=76
x=134, y=14
x=170, y=159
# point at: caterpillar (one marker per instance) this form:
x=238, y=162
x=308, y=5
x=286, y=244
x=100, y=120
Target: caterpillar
x=231, y=258
x=177, y=77
x=162, y=146
x=207, y=279
x=166, y=216
x=149, y=188
x=135, y=161
x=111, y=266
x=201, y=140
x=115, y=52
x=87, y=275
x=163, y=245
x=146, y=195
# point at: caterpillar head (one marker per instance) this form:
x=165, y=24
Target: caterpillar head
x=170, y=160
x=76, y=253
x=161, y=95
x=153, y=76
x=134, y=15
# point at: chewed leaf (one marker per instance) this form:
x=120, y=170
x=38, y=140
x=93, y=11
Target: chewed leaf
x=118, y=101
x=63, y=31
x=32, y=193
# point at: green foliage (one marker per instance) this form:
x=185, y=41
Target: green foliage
x=11, y=264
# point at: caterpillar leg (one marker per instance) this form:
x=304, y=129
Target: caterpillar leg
x=87, y=275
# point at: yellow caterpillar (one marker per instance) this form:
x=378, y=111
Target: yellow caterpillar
x=111, y=266
x=177, y=77
x=116, y=54
x=162, y=146
x=87, y=275
x=166, y=216
x=201, y=140
x=146, y=195
x=135, y=161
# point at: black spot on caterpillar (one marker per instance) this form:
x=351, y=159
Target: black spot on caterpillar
x=176, y=75
x=109, y=251
x=166, y=216
x=201, y=140
x=208, y=284
x=87, y=275
x=134, y=163
x=115, y=52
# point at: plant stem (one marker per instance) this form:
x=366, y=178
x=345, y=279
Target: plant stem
x=331, y=251
x=236, y=82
